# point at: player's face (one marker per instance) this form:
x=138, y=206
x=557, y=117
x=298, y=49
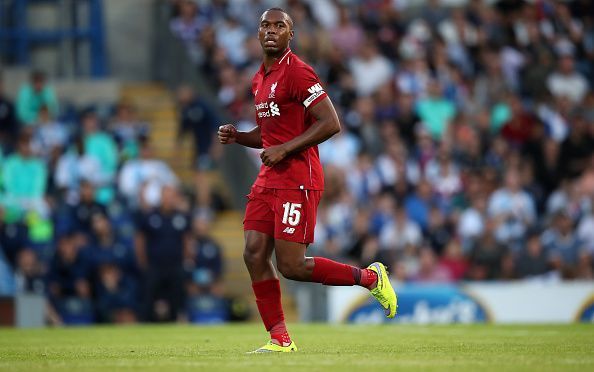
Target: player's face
x=274, y=32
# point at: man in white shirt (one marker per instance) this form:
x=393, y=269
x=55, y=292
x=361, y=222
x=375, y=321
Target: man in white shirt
x=566, y=81
x=145, y=175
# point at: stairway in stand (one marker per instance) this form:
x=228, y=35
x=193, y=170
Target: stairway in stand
x=156, y=105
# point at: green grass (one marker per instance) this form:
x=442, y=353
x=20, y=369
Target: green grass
x=322, y=348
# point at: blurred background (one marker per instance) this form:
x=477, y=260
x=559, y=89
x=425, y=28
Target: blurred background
x=465, y=163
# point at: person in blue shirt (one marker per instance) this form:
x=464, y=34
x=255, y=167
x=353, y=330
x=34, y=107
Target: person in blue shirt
x=163, y=242
x=68, y=274
x=206, y=262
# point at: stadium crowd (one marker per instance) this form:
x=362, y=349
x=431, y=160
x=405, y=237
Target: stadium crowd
x=94, y=222
x=467, y=153
x=467, y=150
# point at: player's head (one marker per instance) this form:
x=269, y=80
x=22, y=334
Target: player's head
x=275, y=31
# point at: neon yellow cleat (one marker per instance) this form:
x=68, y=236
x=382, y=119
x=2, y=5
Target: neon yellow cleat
x=271, y=347
x=383, y=292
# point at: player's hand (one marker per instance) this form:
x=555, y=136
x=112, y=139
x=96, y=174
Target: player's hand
x=227, y=134
x=273, y=155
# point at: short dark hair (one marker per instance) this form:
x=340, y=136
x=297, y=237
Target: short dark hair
x=278, y=9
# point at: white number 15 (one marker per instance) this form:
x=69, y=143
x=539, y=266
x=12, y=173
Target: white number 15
x=292, y=213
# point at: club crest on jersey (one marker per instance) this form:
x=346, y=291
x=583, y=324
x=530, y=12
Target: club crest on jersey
x=272, y=90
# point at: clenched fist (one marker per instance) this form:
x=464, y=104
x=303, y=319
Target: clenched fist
x=227, y=134
x=273, y=155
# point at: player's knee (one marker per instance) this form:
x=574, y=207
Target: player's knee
x=253, y=256
x=290, y=270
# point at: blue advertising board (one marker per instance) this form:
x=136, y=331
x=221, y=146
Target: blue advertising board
x=423, y=304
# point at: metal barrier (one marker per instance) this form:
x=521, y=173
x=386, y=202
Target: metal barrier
x=17, y=37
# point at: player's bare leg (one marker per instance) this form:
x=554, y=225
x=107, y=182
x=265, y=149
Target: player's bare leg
x=294, y=265
x=257, y=256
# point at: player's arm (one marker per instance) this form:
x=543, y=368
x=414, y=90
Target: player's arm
x=229, y=134
x=325, y=126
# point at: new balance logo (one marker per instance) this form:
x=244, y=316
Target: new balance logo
x=274, y=110
x=289, y=230
x=315, y=88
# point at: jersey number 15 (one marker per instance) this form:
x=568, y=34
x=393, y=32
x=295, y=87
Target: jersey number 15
x=292, y=214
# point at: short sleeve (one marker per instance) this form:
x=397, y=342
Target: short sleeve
x=306, y=87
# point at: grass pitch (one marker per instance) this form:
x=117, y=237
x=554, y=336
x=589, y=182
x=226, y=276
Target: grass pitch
x=321, y=348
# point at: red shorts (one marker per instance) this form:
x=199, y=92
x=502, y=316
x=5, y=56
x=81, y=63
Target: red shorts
x=284, y=214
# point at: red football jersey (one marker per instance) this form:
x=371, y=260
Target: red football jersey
x=282, y=97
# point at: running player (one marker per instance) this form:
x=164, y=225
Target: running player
x=293, y=115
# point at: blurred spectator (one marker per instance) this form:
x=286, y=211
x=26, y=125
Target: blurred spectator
x=430, y=270
x=407, y=119
x=81, y=214
x=24, y=178
x=454, y=260
x=142, y=179
x=232, y=41
x=400, y=231
x=49, y=137
x=29, y=273
x=364, y=180
x=566, y=81
x=567, y=253
x=347, y=36
x=577, y=148
x=33, y=96
x=8, y=121
x=512, y=209
x=471, y=222
x=116, y=295
x=188, y=25
x=206, y=260
x=107, y=248
x=419, y=203
x=200, y=120
x=439, y=230
x=487, y=255
x=435, y=111
x=395, y=165
x=443, y=175
x=518, y=129
x=414, y=76
x=68, y=274
x=341, y=150
x=100, y=145
x=163, y=243
x=127, y=129
x=370, y=69
x=533, y=260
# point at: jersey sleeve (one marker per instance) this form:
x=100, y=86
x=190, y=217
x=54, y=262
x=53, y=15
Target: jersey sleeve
x=306, y=87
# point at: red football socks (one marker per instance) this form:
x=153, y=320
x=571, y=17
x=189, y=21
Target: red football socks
x=268, y=299
x=330, y=272
x=368, y=278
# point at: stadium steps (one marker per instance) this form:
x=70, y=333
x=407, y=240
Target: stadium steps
x=155, y=105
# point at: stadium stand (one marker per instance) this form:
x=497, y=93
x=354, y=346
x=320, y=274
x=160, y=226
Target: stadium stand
x=467, y=153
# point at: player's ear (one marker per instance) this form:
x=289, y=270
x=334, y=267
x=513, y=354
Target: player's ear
x=292, y=33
